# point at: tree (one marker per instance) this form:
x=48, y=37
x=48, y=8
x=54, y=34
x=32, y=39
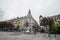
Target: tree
x=6, y=25
x=50, y=23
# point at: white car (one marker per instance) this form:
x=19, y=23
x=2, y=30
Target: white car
x=27, y=32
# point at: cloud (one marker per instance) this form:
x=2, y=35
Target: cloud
x=14, y=8
x=1, y=14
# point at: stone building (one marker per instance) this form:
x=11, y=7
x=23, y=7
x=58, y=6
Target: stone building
x=15, y=22
x=43, y=22
x=40, y=20
x=24, y=22
x=27, y=20
x=56, y=18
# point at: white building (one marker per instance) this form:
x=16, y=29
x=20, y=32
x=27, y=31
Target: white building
x=29, y=19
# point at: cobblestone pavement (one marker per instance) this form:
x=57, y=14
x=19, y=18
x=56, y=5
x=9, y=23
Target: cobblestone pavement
x=21, y=36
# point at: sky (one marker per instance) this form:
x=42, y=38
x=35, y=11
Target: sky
x=10, y=9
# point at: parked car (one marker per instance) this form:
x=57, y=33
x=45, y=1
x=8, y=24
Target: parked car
x=26, y=32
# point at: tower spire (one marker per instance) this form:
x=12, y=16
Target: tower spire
x=29, y=13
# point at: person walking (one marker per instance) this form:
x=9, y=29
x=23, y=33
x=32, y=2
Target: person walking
x=34, y=30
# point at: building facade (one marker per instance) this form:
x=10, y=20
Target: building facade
x=15, y=22
x=24, y=22
x=56, y=18
x=43, y=23
x=27, y=21
x=40, y=20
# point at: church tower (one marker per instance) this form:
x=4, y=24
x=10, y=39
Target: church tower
x=29, y=14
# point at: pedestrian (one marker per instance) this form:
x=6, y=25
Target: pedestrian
x=34, y=30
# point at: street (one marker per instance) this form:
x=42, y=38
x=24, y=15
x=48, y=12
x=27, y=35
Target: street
x=21, y=36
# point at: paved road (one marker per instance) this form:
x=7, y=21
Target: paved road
x=21, y=36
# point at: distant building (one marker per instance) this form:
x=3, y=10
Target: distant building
x=40, y=20
x=23, y=22
x=27, y=20
x=56, y=18
x=43, y=23
x=15, y=22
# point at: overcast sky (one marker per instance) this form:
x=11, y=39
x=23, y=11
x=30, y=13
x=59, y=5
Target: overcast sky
x=13, y=8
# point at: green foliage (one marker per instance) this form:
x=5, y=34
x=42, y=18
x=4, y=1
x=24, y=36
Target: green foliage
x=5, y=24
x=55, y=26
